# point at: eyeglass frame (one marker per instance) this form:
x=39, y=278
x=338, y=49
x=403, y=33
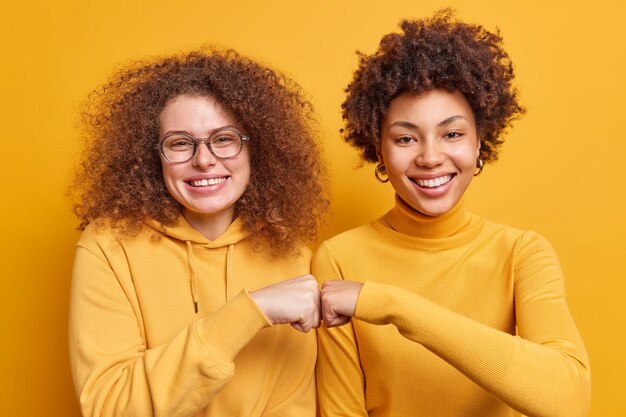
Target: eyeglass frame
x=198, y=141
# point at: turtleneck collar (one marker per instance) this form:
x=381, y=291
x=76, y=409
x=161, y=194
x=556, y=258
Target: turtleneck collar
x=406, y=220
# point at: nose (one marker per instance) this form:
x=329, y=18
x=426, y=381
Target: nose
x=430, y=154
x=203, y=157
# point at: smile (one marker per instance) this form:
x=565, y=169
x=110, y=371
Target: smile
x=433, y=182
x=205, y=182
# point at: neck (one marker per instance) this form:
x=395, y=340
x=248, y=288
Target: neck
x=405, y=219
x=210, y=226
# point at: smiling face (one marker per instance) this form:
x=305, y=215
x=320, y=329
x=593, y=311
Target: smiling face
x=206, y=187
x=429, y=146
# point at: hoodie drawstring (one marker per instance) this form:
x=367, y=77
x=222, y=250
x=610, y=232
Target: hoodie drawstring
x=230, y=256
x=230, y=260
x=192, y=270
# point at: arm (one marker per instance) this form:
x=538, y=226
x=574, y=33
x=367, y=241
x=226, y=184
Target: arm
x=114, y=371
x=541, y=372
x=340, y=381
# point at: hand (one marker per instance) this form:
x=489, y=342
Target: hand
x=295, y=301
x=339, y=301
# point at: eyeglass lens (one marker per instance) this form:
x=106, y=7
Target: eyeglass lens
x=180, y=147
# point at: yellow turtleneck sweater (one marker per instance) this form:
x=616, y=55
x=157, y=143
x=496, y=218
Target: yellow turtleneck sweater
x=139, y=348
x=457, y=317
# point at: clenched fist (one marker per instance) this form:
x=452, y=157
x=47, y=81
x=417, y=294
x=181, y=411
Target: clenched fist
x=339, y=301
x=296, y=301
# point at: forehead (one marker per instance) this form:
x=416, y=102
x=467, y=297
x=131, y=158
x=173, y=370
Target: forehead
x=194, y=113
x=429, y=107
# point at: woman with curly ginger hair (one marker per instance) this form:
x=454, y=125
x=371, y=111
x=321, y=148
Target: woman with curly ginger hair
x=200, y=179
x=453, y=315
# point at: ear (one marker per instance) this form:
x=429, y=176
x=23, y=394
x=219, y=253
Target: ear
x=478, y=148
x=379, y=153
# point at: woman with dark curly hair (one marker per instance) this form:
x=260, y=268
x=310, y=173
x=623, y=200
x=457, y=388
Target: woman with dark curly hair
x=453, y=315
x=200, y=179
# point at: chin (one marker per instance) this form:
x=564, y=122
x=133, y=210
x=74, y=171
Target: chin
x=433, y=213
x=432, y=210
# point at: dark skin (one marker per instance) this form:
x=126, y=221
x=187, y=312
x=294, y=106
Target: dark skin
x=417, y=60
x=435, y=53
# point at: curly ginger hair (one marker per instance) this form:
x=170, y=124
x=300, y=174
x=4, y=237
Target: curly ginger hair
x=119, y=180
x=437, y=52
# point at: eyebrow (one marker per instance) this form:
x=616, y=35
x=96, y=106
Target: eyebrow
x=450, y=119
x=403, y=123
x=169, y=132
x=227, y=127
x=409, y=125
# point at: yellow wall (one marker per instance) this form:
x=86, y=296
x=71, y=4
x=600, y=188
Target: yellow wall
x=561, y=173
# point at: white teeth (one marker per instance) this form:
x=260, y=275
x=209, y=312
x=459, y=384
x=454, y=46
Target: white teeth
x=205, y=182
x=434, y=182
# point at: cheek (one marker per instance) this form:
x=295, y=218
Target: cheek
x=398, y=161
x=465, y=157
x=170, y=174
x=167, y=173
x=246, y=179
x=243, y=175
x=242, y=167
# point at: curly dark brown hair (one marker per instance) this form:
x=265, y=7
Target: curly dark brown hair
x=437, y=52
x=119, y=179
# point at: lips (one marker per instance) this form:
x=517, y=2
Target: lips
x=433, y=182
x=206, y=182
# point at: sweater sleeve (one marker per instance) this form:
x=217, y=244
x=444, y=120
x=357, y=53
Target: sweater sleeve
x=542, y=371
x=340, y=381
x=114, y=372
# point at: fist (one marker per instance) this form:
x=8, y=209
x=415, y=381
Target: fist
x=339, y=301
x=295, y=301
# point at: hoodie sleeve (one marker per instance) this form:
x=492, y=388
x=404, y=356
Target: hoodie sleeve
x=542, y=371
x=114, y=372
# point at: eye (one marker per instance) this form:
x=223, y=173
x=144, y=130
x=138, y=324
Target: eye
x=224, y=139
x=405, y=140
x=178, y=143
x=453, y=135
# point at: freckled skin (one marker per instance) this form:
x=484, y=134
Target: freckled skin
x=209, y=209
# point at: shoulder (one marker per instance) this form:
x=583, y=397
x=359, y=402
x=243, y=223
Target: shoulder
x=524, y=245
x=96, y=234
x=356, y=236
x=520, y=238
x=298, y=256
x=101, y=236
x=512, y=235
x=351, y=247
x=533, y=246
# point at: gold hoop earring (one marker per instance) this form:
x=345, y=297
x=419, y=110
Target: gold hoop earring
x=480, y=165
x=380, y=169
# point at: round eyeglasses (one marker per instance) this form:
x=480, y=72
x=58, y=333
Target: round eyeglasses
x=179, y=147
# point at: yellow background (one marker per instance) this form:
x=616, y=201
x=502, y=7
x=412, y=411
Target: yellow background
x=561, y=172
